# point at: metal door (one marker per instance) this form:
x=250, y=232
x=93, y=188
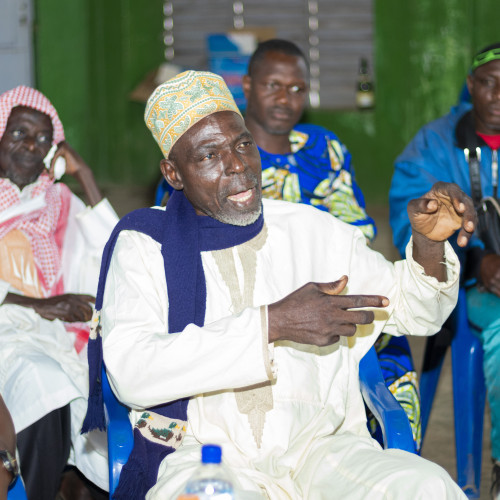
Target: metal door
x=16, y=43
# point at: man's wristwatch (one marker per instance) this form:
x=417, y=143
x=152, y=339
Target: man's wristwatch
x=10, y=463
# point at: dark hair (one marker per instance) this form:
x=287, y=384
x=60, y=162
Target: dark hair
x=274, y=45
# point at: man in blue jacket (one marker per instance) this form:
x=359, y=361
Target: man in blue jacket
x=442, y=151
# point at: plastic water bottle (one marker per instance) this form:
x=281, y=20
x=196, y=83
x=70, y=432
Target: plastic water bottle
x=211, y=480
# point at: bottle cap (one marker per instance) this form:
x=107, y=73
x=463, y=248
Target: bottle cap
x=211, y=454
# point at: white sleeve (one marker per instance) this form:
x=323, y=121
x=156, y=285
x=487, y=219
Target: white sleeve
x=96, y=223
x=148, y=366
x=86, y=234
x=419, y=304
x=423, y=303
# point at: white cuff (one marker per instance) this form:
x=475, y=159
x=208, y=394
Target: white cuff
x=450, y=261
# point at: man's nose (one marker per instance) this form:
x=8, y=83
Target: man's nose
x=30, y=142
x=496, y=91
x=282, y=95
x=234, y=164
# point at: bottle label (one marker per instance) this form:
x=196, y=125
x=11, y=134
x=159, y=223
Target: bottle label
x=365, y=99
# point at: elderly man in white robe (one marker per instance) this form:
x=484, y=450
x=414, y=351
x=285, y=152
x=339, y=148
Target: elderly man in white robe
x=261, y=341
x=50, y=251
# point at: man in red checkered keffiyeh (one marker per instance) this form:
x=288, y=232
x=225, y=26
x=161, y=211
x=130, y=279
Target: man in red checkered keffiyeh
x=42, y=248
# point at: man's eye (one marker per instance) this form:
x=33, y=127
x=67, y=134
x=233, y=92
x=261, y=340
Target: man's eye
x=43, y=139
x=208, y=156
x=488, y=82
x=272, y=85
x=296, y=89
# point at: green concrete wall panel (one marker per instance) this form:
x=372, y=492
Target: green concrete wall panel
x=62, y=63
x=90, y=56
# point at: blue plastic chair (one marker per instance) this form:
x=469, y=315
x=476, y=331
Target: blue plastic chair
x=469, y=393
x=120, y=434
x=392, y=418
x=17, y=491
x=395, y=426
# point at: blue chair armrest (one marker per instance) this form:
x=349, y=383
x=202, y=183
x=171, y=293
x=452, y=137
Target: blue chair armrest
x=17, y=491
x=120, y=434
x=389, y=413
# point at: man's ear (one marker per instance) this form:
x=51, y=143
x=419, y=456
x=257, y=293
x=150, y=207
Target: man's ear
x=247, y=85
x=169, y=171
x=470, y=83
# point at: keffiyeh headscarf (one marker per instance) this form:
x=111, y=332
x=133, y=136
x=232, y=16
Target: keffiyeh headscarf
x=31, y=98
x=39, y=226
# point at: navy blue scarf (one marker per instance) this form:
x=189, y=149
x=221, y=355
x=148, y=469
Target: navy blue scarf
x=182, y=235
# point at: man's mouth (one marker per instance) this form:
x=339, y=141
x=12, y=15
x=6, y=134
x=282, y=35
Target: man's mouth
x=28, y=159
x=242, y=196
x=280, y=113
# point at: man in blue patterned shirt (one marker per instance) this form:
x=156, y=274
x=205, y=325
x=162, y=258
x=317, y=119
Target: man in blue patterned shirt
x=300, y=163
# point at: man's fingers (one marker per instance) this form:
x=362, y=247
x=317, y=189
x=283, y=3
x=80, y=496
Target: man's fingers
x=422, y=206
x=469, y=221
x=335, y=287
x=462, y=203
x=87, y=298
x=358, y=301
x=463, y=237
x=357, y=317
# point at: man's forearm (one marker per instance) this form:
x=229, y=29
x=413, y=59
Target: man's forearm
x=430, y=255
x=18, y=300
x=86, y=179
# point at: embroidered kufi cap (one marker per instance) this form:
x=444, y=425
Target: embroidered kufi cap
x=176, y=105
x=31, y=98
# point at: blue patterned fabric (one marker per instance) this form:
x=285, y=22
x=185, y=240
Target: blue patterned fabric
x=317, y=172
x=400, y=377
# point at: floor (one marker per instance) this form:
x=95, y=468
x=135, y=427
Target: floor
x=439, y=443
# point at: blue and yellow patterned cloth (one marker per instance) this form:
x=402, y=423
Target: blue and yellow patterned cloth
x=317, y=172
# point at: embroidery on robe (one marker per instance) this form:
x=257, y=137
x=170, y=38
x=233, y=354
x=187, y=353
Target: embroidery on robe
x=161, y=430
x=254, y=401
x=95, y=325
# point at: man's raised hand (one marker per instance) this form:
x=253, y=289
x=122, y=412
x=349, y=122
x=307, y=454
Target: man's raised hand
x=441, y=211
x=316, y=314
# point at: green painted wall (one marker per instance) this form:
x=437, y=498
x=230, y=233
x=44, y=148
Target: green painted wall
x=91, y=54
x=422, y=52
x=88, y=68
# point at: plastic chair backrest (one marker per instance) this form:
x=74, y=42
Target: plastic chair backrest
x=469, y=395
x=391, y=416
x=17, y=491
x=120, y=435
